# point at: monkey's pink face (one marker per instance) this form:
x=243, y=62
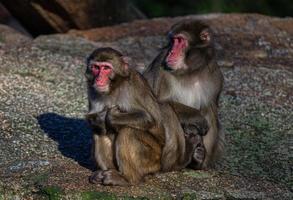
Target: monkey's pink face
x=175, y=57
x=102, y=72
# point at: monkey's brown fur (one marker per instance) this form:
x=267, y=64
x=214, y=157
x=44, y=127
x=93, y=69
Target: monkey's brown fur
x=133, y=134
x=194, y=80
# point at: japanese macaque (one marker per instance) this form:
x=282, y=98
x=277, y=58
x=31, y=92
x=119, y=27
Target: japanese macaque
x=133, y=134
x=186, y=72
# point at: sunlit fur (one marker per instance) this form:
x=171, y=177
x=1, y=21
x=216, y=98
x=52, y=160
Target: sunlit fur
x=133, y=134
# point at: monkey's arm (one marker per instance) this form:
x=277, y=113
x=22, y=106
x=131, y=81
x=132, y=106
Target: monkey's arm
x=190, y=117
x=138, y=119
x=96, y=123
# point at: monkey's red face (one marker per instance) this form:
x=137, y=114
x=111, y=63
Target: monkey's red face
x=102, y=72
x=175, y=56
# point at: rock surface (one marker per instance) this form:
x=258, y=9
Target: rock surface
x=59, y=16
x=45, y=142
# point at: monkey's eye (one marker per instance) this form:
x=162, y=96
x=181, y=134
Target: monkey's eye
x=97, y=67
x=179, y=39
x=106, y=67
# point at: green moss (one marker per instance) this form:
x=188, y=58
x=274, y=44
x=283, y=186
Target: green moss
x=189, y=196
x=52, y=192
x=97, y=195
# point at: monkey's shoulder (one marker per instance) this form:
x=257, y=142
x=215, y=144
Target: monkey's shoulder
x=137, y=80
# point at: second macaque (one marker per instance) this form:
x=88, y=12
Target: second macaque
x=186, y=72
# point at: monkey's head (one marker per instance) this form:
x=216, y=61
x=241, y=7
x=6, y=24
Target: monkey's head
x=188, y=41
x=105, y=66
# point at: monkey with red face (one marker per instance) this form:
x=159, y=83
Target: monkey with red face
x=186, y=72
x=133, y=134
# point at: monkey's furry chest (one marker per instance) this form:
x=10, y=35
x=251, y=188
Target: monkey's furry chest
x=195, y=93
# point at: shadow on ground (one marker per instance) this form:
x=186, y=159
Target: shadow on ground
x=72, y=134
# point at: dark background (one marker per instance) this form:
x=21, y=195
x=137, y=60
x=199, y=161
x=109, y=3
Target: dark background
x=38, y=17
x=157, y=8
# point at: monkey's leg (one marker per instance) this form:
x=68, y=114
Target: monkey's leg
x=174, y=151
x=103, y=155
x=214, y=140
x=209, y=143
x=137, y=154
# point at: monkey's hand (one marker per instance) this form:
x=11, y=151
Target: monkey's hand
x=113, y=114
x=96, y=123
x=114, y=111
x=93, y=119
x=112, y=117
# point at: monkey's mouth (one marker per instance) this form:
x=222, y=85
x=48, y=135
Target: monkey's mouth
x=102, y=84
x=174, y=62
x=102, y=89
x=172, y=57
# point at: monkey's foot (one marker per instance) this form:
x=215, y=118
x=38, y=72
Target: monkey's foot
x=113, y=177
x=96, y=177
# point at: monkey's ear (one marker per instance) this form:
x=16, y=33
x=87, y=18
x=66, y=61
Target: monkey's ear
x=205, y=37
x=126, y=60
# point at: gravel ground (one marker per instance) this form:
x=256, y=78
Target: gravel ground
x=45, y=142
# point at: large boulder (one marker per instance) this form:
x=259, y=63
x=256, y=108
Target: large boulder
x=45, y=141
